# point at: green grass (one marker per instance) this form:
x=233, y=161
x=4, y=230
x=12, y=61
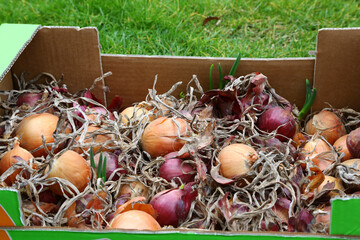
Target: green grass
x=256, y=28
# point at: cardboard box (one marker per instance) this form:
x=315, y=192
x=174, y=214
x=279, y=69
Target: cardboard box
x=75, y=53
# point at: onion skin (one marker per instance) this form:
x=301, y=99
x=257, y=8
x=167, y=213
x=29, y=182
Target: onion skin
x=354, y=165
x=133, y=112
x=8, y=160
x=331, y=180
x=328, y=124
x=31, y=128
x=175, y=168
x=236, y=160
x=341, y=146
x=72, y=167
x=99, y=111
x=353, y=143
x=134, y=189
x=319, y=152
x=279, y=119
x=173, y=205
x=136, y=220
x=29, y=99
x=324, y=216
x=160, y=137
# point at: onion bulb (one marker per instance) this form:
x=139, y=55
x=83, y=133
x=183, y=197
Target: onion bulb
x=279, y=120
x=328, y=124
x=331, y=183
x=173, y=205
x=131, y=113
x=341, y=146
x=319, y=152
x=323, y=216
x=175, y=168
x=236, y=160
x=71, y=167
x=32, y=128
x=97, y=140
x=136, y=220
x=9, y=159
x=133, y=189
x=353, y=143
x=354, y=168
x=162, y=136
x=29, y=99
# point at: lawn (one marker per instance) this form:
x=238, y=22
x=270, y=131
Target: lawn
x=224, y=28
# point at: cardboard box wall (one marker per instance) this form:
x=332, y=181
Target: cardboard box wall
x=75, y=54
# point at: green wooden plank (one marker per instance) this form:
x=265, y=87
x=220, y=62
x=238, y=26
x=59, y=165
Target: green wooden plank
x=59, y=234
x=345, y=216
x=10, y=202
x=13, y=39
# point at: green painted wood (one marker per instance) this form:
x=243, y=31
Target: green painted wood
x=345, y=216
x=13, y=39
x=10, y=201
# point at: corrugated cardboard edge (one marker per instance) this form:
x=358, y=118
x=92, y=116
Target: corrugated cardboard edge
x=19, y=53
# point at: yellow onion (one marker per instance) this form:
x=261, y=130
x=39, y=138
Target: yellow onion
x=331, y=183
x=9, y=159
x=341, y=146
x=319, y=152
x=135, y=219
x=133, y=189
x=70, y=166
x=161, y=136
x=354, y=166
x=32, y=128
x=134, y=112
x=97, y=141
x=328, y=124
x=236, y=160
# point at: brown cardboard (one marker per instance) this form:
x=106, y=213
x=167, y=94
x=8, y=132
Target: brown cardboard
x=337, y=69
x=70, y=51
x=132, y=76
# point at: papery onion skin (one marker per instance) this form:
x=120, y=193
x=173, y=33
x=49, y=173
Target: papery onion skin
x=331, y=180
x=136, y=220
x=354, y=168
x=133, y=189
x=72, y=167
x=353, y=142
x=279, y=119
x=173, y=205
x=236, y=160
x=175, y=168
x=161, y=136
x=319, y=152
x=133, y=112
x=29, y=99
x=341, y=146
x=328, y=124
x=323, y=216
x=99, y=111
x=32, y=128
x=8, y=160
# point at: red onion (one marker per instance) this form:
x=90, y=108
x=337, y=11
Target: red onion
x=112, y=165
x=353, y=142
x=279, y=119
x=174, y=167
x=48, y=196
x=173, y=205
x=100, y=111
x=29, y=99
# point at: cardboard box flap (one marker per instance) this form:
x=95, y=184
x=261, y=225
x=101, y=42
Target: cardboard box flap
x=337, y=68
x=70, y=51
x=13, y=40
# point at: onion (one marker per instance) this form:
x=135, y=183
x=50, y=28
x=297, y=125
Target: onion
x=341, y=146
x=328, y=124
x=353, y=143
x=29, y=99
x=319, y=152
x=111, y=165
x=131, y=113
x=175, y=168
x=162, y=136
x=236, y=160
x=134, y=189
x=331, y=183
x=71, y=167
x=32, y=128
x=354, y=168
x=323, y=216
x=97, y=141
x=279, y=120
x=9, y=159
x=135, y=219
x=173, y=205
